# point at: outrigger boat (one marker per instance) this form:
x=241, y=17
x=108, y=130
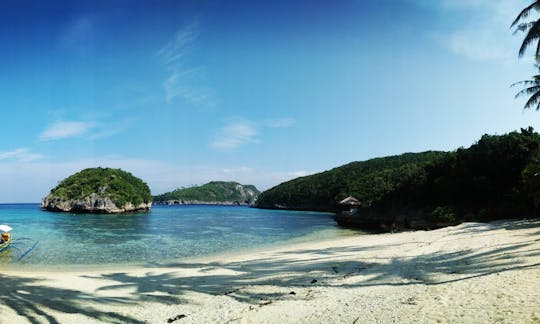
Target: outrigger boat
x=5, y=236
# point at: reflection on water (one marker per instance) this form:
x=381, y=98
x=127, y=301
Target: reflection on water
x=164, y=234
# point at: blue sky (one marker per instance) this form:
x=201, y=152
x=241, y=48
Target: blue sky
x=184, y=92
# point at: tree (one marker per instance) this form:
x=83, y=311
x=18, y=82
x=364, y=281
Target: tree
x=532, y=89
x=532, y=28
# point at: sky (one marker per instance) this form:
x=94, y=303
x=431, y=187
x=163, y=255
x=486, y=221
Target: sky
x=180, y=93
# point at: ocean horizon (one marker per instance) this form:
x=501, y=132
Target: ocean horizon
x=162, y=235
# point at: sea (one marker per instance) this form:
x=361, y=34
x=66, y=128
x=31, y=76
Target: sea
x=164, y=235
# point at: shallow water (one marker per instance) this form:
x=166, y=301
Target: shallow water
x=165, y=234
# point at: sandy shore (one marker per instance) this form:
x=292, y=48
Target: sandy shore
x=471, y=273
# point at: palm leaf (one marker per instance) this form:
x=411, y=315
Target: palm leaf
x=525, y=13
x=534, y=100
x=532, y=35
x=528, y=91
x=524, y=83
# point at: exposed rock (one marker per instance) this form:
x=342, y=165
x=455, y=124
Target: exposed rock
x=199, y=202
x=91, y=204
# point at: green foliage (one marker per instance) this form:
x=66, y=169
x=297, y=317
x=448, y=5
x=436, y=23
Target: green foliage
x=496, y=177
x=215, y=191
x=368, y=181
x=443, y=215
x=531, y=181
x=121, y=186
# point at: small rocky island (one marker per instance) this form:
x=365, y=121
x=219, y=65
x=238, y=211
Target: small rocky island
x=99, y=190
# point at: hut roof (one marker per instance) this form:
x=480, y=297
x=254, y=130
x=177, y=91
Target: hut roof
x=350, y=201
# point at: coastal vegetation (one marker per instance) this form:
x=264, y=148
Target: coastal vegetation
x=497, y=177
x=99, y=190
x=215, y=192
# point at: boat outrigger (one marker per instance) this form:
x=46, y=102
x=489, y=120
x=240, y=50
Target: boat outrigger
x=5, y=236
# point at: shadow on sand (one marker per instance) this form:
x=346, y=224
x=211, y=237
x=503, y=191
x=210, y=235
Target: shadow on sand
x=285, y=272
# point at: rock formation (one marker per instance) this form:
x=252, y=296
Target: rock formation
x=99, y=190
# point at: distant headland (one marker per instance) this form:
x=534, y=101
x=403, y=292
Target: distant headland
x=212, y=193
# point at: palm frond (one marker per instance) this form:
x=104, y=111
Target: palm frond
x=532, y=35
x=528, y=91
x=524, y=83
x=523, y=27
x=525, y=13
x=534, y=100
x=535, y=81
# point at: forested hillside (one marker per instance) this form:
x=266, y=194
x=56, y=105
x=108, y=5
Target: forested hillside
x=497, y=177
x=212, y=192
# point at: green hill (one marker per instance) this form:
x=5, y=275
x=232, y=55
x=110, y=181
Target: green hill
x=215, y=192
x=497, y=177
x=368, y=180
x=99, y=190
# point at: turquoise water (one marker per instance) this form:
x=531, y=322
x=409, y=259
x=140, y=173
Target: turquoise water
x=165, y=234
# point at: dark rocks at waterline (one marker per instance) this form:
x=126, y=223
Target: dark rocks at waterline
x=199, y=202
x=372, y=221
x=91, y=204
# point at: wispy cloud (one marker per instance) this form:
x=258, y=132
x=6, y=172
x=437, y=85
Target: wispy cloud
x=301, y=173
x=279, y=123
x=487, y=36
x=21, y=155
x=174, y=51
x=242, y=132
x=239, y=170
x=66, y=129
x=93, y=129
x=234, y=135
x=184, y=81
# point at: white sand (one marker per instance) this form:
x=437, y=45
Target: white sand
x=471, y=273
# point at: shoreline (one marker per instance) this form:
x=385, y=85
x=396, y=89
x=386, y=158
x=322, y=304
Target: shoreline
x=473, y=272
x=325, y=235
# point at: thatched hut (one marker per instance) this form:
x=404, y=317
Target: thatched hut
x=349, y=204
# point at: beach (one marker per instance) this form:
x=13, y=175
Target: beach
x=470, y=273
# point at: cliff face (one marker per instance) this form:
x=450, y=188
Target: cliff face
x=212, y=193
x=91, y=204
x=99, y=190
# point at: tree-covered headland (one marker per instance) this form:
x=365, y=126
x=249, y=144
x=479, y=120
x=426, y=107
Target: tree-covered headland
x=215, y=192
x=497, y=177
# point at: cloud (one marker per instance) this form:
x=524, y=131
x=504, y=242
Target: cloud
x=239, y=133
x=104, y=130
x=297, y=174
x=239, y=170
x=21, y=155
x=279, y=123
x=92, y=129
x=485, y=36
x=174, y=51
x=183, y=81
x=235, y=135
x=66, y=129
x=187, y=84
x=480, y=45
